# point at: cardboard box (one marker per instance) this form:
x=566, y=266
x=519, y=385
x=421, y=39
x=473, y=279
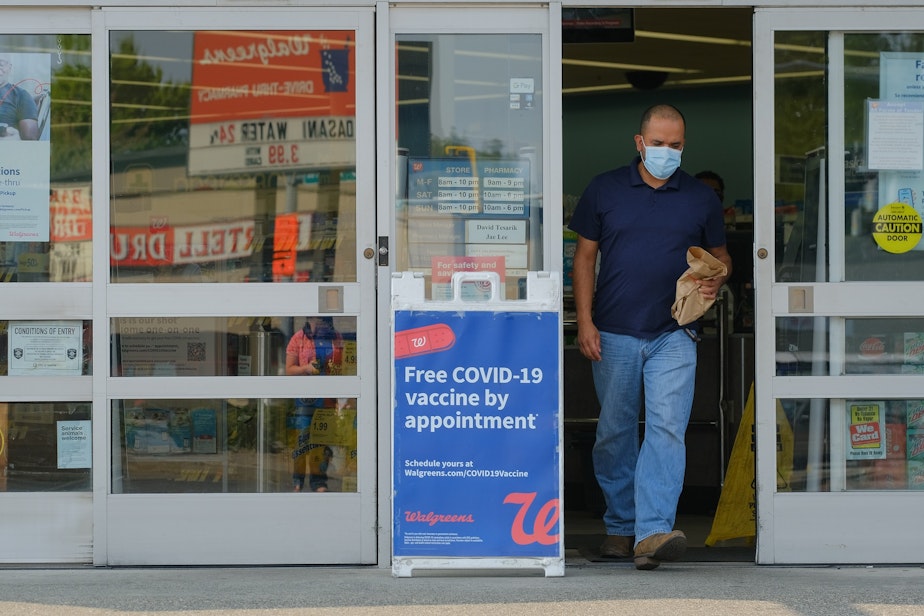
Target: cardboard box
x=890, y=475
x=896, y=441
x=915, y=414
x=915, y=475
x=914, y=348
x=915, y=444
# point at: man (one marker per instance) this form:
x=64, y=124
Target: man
x=17, y=107
x=642, y=218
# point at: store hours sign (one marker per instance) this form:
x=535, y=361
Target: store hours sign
x=476, y=416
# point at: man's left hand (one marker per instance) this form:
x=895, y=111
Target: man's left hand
x=709, y=287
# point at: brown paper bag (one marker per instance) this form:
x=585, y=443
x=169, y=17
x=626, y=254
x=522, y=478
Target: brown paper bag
x=689, y=304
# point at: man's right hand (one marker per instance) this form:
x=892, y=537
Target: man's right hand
x=588, y=339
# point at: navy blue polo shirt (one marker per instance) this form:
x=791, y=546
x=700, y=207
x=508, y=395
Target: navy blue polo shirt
x=643, y=235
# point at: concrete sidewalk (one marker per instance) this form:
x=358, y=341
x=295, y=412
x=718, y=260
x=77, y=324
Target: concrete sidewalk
x=674, y=589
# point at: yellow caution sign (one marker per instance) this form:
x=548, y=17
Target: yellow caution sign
x=897, y=227
x=735, y=516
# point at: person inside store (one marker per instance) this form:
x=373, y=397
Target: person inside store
x=640, y=219
x=739, y=244
x=18, y=111
x=714, y=181
x=317, y=348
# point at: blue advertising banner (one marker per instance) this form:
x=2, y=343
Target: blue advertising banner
x=476, y=421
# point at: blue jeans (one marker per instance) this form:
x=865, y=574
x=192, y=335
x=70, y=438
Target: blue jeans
x=642, y=484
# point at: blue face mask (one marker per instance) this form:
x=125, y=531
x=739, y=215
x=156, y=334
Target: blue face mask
x=661, y=162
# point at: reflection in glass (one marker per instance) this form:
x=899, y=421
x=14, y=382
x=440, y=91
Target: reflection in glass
x=805, y=467
x=233, y=346
x=469, y=111
x=234, y=446
x=231, y=168
x=45, y=447
x=878, y=68
x=885, y=346
x=800, y=100
x=801, y=346
x=49, y=76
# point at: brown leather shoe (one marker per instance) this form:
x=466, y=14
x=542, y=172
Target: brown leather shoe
x=617, y=546
x=664, y=546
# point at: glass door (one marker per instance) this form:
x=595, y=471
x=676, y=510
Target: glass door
x=240, y=397
x=467, y=94
x=470, y=115
x=840, y=175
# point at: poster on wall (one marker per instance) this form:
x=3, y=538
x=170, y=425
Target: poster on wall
x=476, y=434
x=74, y=439
x=265, y=101
x=37, y=348
x=167, y=346
x=25, y=90
x=866, y=430
x=894, y=135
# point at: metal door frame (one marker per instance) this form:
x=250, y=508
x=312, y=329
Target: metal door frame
x=403, y=18
x=822, y=527
x=347, y=521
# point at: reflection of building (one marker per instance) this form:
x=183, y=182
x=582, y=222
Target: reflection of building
x=234, y=229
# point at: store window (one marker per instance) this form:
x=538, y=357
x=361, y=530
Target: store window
x=880, y=445
x=313, y=345
x=233, y=156
x=883, y=164
x=874, y=443
x=469, y=112
x=45, y=161
x=884, y=168
x=45, y=447
x=234, y=445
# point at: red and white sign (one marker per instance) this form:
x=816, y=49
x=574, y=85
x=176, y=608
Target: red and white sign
x=71, y=214
x=444, y=267
x=159, y=244
x=272, y=100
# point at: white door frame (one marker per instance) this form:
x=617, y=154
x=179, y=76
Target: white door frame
x=404, y=18
x=833, y=526
x=344, y=523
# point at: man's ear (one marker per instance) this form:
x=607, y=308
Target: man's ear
x=638, y=143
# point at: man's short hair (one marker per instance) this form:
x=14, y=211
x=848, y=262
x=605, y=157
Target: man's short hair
x=661, y=110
